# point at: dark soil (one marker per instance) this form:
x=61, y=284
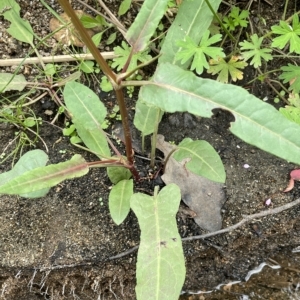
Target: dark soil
x=60, y=246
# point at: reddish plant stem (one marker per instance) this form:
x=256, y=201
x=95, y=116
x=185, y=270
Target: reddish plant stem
x=111, y=75
x=87, y=40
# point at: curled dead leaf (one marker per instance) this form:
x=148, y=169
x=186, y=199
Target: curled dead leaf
x=295, y=175
x=68, y=35
x=203, y=196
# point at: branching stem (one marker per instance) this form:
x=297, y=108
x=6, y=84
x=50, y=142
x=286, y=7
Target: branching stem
x=112, y=77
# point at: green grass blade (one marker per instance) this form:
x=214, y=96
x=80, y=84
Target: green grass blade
x=256, y=122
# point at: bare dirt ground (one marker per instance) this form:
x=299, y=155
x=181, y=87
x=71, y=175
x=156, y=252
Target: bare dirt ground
x=62, y=246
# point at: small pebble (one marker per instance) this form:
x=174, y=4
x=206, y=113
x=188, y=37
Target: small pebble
x=268, y=202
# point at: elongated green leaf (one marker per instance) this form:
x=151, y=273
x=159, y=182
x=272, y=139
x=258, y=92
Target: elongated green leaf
x=45, y=177
x=116, y=174
x=160, y=264
x=84, y=105
x=145, y=24
x=146, y=117
x=88, y=114
x=124, y=7
x=94, y=139
x=193, y=19
x=19, y=29
x=119, y=200
x=256, y=122
x=10, y=82
x=30, y=160
x=204, y=160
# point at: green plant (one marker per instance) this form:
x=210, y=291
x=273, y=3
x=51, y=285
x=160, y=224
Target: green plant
x=160, y=266
x=291, y=74
x=287, y=34
x=191, y=49
x=292, y=111
x=236, y=18
x=224, y=69
x=253, y=50
x=27, y=129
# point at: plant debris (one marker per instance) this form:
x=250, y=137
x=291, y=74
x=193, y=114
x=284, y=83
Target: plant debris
x=201, y=195
x=68, y=35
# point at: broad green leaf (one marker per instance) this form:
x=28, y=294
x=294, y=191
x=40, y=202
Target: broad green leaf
x=119, y=200
x=50, y=69
x=45, y=177
x=116, y=174
x=94, y=139
x=9, y=82
x=112, y=37
x=105, y=84
x=88, y=113
x=30, y=160
x=288, y=35
x=253, y=50
x=224, y=68
x=256, y=122
x=84, y=104
x=145, y=24
x=204, y=160
x=291, y=74
x=124, y=7
x=69, y=130
x=146, y=117
x=97, y=38
x=19, y=29
x=29, y=122
x=75, y=140
x=90, y=22
x=160, y=263
x=193, y=19
x=87, y=66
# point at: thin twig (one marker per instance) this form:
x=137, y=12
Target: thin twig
x=53, y=59
x=124, y=253
x=246, y=218
x=114, y=20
